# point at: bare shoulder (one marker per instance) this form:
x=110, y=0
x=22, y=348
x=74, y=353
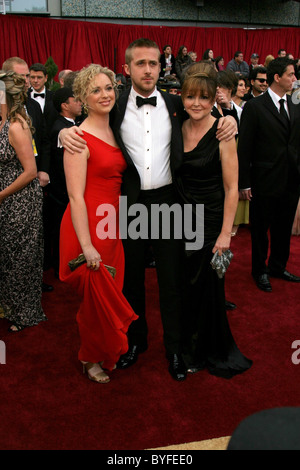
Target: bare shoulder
x=18, y=125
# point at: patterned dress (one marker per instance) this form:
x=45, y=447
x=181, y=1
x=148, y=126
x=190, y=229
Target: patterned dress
x=21, y=242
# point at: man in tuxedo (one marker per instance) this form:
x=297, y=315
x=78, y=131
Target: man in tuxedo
x=39, y=93
x=41, y=142
x=68, y=110
x=269, y=163
x=38, y=78
x=149, y=135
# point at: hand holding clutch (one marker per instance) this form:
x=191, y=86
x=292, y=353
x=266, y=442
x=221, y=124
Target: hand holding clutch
x=75, y=263
x=221, y=263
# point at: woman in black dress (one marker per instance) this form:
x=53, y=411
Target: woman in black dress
x=209, y=176
x=21, y=200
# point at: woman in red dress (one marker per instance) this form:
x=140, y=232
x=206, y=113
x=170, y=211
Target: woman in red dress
x=90, y=226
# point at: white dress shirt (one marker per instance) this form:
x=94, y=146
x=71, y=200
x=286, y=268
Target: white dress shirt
x=276, y=98
x=39, y=99
x=146, y=133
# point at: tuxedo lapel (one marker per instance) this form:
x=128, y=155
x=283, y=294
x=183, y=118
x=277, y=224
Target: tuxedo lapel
x=176, y=139
x=269, y=104
x=291, y=108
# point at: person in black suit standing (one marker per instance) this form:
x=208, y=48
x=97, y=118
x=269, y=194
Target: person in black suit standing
x=68, y=110
x=38, y=78
x=149, y=135
x=269, y=164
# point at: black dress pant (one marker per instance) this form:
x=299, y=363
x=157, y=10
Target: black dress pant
x=168, y=254
x=272, y=217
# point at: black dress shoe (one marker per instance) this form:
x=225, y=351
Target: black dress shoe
x=130, y=357
x=177, y=367
x=263, y=283
x=229, y=305
x=286, y=276
x=47, y=287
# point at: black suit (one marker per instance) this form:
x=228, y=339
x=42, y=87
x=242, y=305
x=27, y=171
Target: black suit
x=168, y=253
x=269, y=163
x=40, y=135
x=49, y=112
x=58, y=195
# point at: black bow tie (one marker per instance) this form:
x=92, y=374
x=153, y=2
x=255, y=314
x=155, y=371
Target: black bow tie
x=42, y=95
x=141, y=101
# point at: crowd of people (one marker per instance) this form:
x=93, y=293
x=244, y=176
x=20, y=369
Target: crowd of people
x=173, y=132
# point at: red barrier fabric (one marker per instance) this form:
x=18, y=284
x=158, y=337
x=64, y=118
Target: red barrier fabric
x=74, y=44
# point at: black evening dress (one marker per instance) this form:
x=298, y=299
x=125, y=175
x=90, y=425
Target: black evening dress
x=208, y=339
x=21, y=242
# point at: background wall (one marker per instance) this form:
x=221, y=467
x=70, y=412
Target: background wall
x=235, y=12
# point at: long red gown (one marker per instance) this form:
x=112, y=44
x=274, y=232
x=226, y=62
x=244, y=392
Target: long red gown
x=104, y=314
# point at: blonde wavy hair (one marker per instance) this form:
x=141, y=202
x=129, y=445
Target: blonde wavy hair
x=15, y=98
x=200, y=77
x=84, y=78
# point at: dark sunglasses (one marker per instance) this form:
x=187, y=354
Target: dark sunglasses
x=262, y=80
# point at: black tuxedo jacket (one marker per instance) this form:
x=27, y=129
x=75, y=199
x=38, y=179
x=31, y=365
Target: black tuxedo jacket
x=58, y=189
x=131, y=179
x=49, y=112
x=40, y=135
x=268, y=148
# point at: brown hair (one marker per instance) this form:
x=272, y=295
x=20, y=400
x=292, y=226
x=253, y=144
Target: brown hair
x=142, y=42
x=200, y=77
x=15, y=97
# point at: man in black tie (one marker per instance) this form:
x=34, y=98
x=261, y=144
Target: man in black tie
x=38, y=78
x=147, y=126
x=270, y=172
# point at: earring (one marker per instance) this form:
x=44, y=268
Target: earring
x=85, y=109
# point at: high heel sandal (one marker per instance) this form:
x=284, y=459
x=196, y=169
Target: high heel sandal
x=100, y=377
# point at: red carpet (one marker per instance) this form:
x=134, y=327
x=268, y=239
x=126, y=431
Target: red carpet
x=46, y=403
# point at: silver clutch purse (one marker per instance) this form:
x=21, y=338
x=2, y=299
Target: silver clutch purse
x=220, y=263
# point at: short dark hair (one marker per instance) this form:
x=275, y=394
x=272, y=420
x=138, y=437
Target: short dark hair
x=281, y=50
x=141, y=42
x=61, y=96
x=38, y=68
x=278, y=66
x=256, y=71
x=237, y=53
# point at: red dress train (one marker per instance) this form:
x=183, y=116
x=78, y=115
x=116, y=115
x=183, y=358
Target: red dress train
x=104, y=314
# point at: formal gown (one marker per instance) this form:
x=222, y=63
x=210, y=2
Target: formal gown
x=208, y=339
x=104, y=314
x=21, y=242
